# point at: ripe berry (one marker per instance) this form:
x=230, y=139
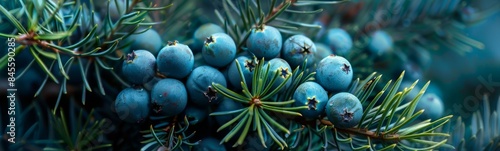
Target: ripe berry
x=312, y=95
x=433, y=106
x=132, y=105
x=175, y=60
x=139, y=67
x=247, y=66
x=199, y=85
x=265, y=42
x=149, y=40
x=219, y=50
x=201, y=34
x=209, y=144
x=226, y=104
x=344, y=110
x=280, y=67
x=339, y=41
x=297, y=49
x=380, y=42
x=334, y=73
x=169, y=97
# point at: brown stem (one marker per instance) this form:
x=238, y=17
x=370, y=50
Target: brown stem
x=357, y=131
x=277, y=8
x=29, y=39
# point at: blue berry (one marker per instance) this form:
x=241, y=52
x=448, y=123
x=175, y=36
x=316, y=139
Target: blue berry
x=344, y=110
x=265, y=42
x=209, y=144
x=226, y=104
x=380, y=43
x=297, y=49
x=175, y=60
x=339, y=41
x=139, y=67
x=334, y=73
x=280, y=67
x=201, y=34
x=149, y=40
x=199, y=85
x=219, y=50
x=312, y=95
x=247, y=65
x=169, y=97
x=132, y=105
x=433, y=106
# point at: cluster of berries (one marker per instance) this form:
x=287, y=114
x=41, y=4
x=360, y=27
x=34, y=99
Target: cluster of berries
x=178, y=78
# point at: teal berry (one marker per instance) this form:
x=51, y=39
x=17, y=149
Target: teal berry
x=226, y=104
x=380, y=42
x=247, y=66
x=149, y=40
x=280, y=67
x=312, y=95
x=209, y=144
x=201, y=34
x=339, y=41
x=199, y=85
x=297, y=49
x=344, y=110
x=219, y=50
x=432, y=105
x=132, y=105
x=175, y=60
x=334, y=73
x=169, y=97
x=264, y=42
x=139, y=67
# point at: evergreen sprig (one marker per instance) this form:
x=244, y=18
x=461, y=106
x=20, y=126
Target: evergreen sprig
x=239, y=18
x=482, y=134
x=47, y=28
x=168, y=135
x=77, y=133
x=260, y=101
x=391, y=125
